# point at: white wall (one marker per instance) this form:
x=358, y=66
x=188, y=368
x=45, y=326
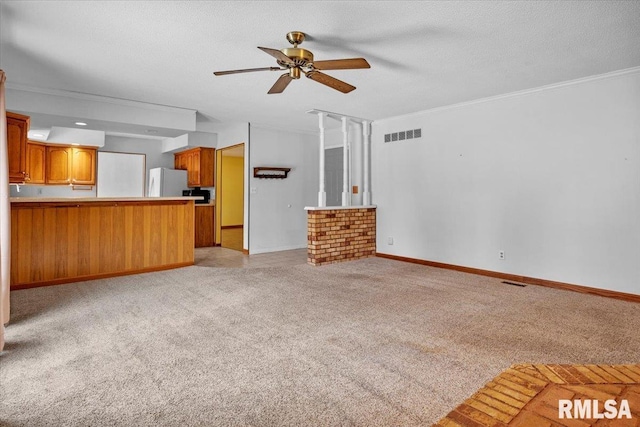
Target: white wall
x=550, y=176
x=51, y=191
x=229, y=134
x=189, y=140
x=277, y=216
x=63, y=135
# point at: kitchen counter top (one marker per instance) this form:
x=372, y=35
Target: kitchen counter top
x=97, y=199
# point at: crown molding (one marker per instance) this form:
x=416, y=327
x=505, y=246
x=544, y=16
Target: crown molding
x=98, y=98
x=605, y=76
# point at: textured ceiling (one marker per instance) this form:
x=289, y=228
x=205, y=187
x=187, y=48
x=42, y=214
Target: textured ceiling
x=422, y=54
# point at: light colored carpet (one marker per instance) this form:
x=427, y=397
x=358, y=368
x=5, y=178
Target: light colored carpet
x=369, y=342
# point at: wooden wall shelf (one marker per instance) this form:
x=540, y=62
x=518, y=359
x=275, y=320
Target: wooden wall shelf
x=270, y=172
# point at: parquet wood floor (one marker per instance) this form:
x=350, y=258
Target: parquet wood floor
x=528, y=395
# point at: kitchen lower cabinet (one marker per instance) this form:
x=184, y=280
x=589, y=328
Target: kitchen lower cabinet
x=77, y=239
x=205, y=226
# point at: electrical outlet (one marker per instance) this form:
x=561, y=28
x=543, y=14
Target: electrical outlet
x=389, y=240
x=500, y=254
x=253, y=190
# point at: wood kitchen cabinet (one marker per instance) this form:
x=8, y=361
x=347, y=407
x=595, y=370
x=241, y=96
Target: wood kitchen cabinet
x=83, y=166
x=58, y=168
x=32, y=162
x=204, y=226
x=199, y=164
x=17, y=129
x=76, y=239
x=36, y=163
x=180, y=161
x=70, y=165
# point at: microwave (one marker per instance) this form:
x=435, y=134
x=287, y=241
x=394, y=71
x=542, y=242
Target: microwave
x=206, y=194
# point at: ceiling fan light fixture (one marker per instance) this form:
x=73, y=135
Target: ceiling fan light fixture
x=294, y=73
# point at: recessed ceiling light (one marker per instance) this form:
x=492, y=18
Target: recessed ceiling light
x=74, y=143
x=81, y=123
x=37, y=135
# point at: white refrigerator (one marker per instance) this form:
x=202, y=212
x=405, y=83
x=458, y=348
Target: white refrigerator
x=164, y=182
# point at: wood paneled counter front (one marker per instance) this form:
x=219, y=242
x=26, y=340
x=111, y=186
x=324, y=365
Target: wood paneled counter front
x=60, y=240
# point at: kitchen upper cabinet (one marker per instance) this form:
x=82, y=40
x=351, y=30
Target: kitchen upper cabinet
x=180, y=161
x=32, y=162
x=58, y=169
x=83, y=166
x=199, y=164
x=36, y=163
x=70, y=165
x=17, y=129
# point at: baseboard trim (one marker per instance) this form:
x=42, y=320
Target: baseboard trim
x=517, y=278
x=245, y=251
x=65, y=280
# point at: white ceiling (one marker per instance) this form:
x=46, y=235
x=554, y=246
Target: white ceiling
x=422, y=54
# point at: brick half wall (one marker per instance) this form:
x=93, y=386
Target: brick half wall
x=335, y=235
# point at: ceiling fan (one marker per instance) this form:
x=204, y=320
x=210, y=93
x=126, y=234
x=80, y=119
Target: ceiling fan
x=296, y=60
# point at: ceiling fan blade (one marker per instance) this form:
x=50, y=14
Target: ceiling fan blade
x=281, y=84
x=246, y=70
x=281, y=57
x=341, y=64
x=332, y=82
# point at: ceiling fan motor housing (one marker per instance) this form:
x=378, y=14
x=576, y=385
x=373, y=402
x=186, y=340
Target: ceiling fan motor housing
x=299, y=56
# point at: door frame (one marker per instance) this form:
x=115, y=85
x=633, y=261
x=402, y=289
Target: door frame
x=218, y=190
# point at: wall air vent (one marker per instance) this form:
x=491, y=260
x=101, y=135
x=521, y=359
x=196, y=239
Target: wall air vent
x=402, y=135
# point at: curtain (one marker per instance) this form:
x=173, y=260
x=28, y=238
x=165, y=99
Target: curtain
x=5, y=220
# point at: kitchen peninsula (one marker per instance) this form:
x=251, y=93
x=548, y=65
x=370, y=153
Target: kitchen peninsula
x=60, y=240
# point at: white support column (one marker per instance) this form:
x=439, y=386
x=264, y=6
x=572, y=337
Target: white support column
x=362, y=159
x=366, y=135
x=350, y=163
x=346, y=194
x=322, y=195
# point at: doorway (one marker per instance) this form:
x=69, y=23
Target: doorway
x=230, y=197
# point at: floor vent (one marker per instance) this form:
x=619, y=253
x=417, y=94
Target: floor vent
x=401, y=136
x=515, y=284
